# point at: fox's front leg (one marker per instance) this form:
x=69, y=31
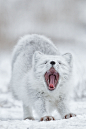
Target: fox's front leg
x=42, y=111
x=63, y=108
x=28, y=112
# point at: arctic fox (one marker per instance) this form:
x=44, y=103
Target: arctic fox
x=41, y=77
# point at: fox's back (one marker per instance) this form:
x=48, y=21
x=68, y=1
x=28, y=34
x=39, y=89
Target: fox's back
x=25, y=48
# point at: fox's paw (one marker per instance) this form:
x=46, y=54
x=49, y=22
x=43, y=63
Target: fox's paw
x=30, y=118
x=47, y=118
x=69, y=116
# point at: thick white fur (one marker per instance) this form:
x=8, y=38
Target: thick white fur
x=30, y=61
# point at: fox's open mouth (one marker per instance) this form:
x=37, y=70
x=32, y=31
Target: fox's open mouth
x=51, y=78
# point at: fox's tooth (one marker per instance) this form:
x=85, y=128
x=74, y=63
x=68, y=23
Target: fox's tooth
x=48, y=81
x=55, y=81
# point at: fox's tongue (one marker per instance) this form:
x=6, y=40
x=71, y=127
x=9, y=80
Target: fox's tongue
x=52, y=82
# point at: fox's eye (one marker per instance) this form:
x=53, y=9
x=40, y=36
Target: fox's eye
x=60, y=63
x=46, y=62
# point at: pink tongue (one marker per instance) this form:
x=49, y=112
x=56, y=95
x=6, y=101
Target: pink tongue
x=52, y=81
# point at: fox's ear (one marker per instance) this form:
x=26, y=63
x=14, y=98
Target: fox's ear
x=68, y=57
x=37, y=55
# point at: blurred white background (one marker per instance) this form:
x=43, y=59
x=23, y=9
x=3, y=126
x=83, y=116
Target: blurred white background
x=63, y=21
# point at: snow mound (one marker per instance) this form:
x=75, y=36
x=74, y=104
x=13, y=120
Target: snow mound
x=78, y=122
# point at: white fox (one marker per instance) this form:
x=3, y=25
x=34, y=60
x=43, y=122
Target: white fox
x=41, y=78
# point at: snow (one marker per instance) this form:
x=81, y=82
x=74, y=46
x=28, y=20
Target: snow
x=78, y=122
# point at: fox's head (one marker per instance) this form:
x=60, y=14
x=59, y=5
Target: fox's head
x=52, y=70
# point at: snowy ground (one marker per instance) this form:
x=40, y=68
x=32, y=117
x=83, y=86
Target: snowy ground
x=11, y=112
x=74, y=123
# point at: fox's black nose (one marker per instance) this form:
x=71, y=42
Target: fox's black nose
x=52, y=62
